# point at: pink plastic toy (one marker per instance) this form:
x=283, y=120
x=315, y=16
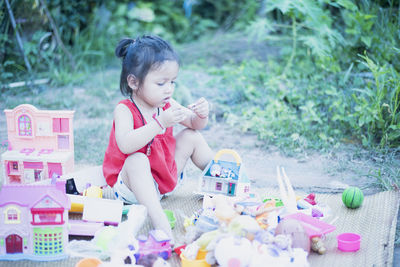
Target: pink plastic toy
x=313, y=226
x=33, y=222
x=156, y=243
x=40, y=144
x=349, y=242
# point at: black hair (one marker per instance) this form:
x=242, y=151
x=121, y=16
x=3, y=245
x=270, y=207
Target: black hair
x=139, y=56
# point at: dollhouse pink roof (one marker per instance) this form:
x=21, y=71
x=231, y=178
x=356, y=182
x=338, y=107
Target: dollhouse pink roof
x=30, y=195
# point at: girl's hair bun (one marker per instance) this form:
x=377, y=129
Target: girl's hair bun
x=122, y=48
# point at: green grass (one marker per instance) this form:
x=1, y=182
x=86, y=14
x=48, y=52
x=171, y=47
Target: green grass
x=91, y=140
x=306, y=109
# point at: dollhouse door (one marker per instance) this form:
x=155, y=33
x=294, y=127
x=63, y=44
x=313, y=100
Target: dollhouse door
x=13, y=244
x=54, y=168
x=231, y=189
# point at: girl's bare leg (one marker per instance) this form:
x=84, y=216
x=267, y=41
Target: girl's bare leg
x=136, y=174
x=191, y=144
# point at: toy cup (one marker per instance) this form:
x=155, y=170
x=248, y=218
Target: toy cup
x=349, y=242
x=198, y=262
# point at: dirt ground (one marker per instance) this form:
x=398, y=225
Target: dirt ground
x=310, y=175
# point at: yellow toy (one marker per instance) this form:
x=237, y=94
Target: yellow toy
x=93, y=191
x=77, y=200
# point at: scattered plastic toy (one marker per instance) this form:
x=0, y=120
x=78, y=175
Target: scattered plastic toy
x=352, y=197
x=157, y=243
x=317, y=245
x=311, y=199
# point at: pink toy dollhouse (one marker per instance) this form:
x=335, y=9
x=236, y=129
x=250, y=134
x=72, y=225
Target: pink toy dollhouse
x=41, y=143
x=156, y=243
x=33, y=221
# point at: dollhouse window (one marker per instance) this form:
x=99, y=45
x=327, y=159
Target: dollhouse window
x=12, y=215
x=63, y=142
x=60, y=125
x=47, y=216
x=14, y=166
x=24, y=126
x=38, y=175
x=218, y=186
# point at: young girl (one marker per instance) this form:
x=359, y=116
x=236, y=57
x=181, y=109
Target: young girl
x=144, y=160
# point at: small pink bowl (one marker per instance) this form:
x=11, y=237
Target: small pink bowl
x=349, y=242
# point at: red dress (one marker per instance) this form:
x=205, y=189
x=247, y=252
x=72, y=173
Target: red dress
x=162, y=157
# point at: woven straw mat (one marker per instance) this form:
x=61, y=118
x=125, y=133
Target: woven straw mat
x=375, y=220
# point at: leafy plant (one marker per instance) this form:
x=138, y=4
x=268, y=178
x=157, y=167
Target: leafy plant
x=376, y=110
x=311, y=24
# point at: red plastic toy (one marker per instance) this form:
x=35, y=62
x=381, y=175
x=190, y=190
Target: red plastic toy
x=311, y=199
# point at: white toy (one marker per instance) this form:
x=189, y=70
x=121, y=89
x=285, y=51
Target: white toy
x=288, y=197
x=233, y=251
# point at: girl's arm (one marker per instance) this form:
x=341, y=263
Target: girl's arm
x=196, y=114
x=128, y=139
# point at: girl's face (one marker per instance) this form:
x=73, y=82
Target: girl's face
x=159, y=84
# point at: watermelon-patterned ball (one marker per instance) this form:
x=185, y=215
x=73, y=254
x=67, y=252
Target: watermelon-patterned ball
x=352, y=197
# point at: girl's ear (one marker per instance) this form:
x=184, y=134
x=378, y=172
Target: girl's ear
x=132, y=82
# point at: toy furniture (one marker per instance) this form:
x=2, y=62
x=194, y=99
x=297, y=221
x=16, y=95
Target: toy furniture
x=40, y=144
x=33, y=222
x=312, y=226
x=225, y=177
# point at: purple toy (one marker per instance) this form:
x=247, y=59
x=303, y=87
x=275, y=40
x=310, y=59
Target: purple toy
x=316, y=213
x=33, y=222
x=156, y=243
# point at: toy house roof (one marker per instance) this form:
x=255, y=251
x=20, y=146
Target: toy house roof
x=241, y=177
x=155, y=235
x=29, y=195
x=31, y=108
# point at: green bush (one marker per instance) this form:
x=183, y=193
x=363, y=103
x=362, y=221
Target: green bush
x=315, y=92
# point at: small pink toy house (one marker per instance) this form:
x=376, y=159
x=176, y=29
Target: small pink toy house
x=41, y=143
x=33, y=221
x=225, y=177
x=156, y=243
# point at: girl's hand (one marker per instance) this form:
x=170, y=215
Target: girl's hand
x=172, y=116
x=200, y=108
